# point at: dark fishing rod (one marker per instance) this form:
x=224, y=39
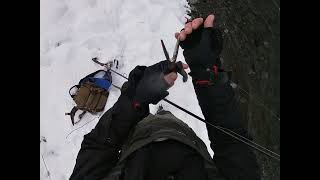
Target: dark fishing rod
x=229, y=132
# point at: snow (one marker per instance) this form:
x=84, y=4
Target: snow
x=74, y=31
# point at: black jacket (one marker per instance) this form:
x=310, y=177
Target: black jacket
x=100, y=148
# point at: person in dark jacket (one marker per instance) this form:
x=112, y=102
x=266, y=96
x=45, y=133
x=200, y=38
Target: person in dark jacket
x=130, y=143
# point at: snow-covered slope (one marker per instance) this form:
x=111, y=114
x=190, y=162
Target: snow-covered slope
x=74, y=31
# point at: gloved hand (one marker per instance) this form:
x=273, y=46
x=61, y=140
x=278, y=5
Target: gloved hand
x=150, y=84
x=202, y=44
x=145, y=85
x=129, y=87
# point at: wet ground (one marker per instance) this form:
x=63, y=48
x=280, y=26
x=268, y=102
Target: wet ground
x=252, y=51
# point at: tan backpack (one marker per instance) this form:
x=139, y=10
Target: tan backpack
x=89, y=96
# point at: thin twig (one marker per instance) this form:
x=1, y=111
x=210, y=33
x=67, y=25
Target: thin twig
x=81, y=126
x=45, y=165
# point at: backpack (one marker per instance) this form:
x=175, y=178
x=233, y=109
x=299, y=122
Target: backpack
x=161, y=127
x=91, y=94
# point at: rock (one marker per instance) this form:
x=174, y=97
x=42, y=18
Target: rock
x=265, y=75
x=233, y=85
x=192, y=1
x=43, y=139
x=251, y=72
x=243, y=100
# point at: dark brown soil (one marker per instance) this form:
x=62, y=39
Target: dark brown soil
x=252, y=51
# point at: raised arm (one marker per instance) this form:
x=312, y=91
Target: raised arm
x=100, y=148
x=202, y=46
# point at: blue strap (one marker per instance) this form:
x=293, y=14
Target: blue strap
x=91, y=75
x=104, y=82
x=100, y=82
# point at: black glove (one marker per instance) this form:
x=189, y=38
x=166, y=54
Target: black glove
x=152, y=87
x=202, y=50
x=129, y=87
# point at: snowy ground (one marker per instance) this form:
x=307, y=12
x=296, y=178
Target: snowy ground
x=74, y=31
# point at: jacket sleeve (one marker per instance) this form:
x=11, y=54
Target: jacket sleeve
x=234, y=159
x=100, y=148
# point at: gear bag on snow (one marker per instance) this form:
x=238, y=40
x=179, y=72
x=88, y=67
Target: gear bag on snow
x=91, y=94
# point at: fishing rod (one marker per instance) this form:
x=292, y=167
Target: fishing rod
x=231, y=133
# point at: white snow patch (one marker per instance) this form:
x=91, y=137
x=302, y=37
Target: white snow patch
x=74, y=31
